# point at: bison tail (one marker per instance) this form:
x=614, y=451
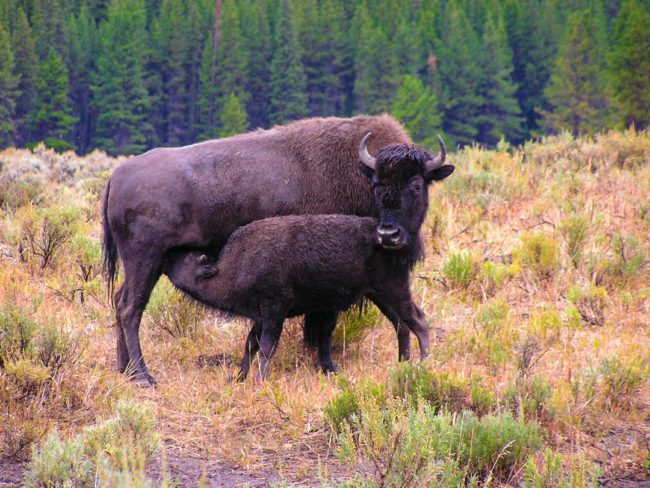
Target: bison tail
x=109, y=248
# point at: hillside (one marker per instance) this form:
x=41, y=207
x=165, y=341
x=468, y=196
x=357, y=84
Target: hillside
x=535, y=285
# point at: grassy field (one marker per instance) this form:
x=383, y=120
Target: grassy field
x=536, y=286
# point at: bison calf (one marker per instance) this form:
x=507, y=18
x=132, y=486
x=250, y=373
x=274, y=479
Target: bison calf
x=282, y=267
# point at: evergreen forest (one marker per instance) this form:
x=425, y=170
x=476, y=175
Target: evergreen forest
x=128, y=75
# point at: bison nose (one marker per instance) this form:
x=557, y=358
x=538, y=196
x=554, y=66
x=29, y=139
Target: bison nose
x=387, y=232
x=389, y=236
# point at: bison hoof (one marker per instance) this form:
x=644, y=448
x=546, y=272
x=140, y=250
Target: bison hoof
x=143, y=380
x=327, y=368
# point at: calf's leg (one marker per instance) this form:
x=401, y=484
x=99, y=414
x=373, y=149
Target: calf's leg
x=403, y=332
x=406, y=316
x=271, y=331
x=251, y=348
x=318, y=333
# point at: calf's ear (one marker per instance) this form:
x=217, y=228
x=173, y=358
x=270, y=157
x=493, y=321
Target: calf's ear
x=440, y=173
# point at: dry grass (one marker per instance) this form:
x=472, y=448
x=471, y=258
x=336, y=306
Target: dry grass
x=578, y=319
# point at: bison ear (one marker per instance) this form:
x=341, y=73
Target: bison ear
x=440, y=173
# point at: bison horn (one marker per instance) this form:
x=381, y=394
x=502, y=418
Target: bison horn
x=365, y=156
x=439, y=160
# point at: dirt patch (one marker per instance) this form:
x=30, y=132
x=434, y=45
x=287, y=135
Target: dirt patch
x=11, y=473
x=186, y=469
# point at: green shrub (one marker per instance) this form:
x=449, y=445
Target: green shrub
x=612, y=384
x=590, y=303
x=629, y=258
x=30, y=377
x=407, y=446
x=111, y=453
x=495, y=445
x=57, y=348
x=494, y=335
x=353, y=325
x=529, y=398
x=542, y=333
x=15, y=194
x=346, y=406
x=17, y=330
x=574, y=230
x=554, y=472
x=174, y=312
x=86, y=258
x=493, y=275
x=539, y=254
x=59, y=464
x=45, y=231
x=443, y=391
x=23, y=340
x=621, y=380
x=459, y=271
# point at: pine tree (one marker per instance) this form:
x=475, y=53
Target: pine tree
x=577, y=91
x=458, y=76
x=196, y=30
x=256, y=32
x=500, y=115
x=25, y=69
x=208, y=94
x=8, y=83
x=120, y=97
x=417, y=108
x=321, y=35
x=233, y=117
x=374, y=65
x=47, y=27
x=81, y=45
x=51, y=120
x=169, y=52
x=630, y=64
x=288, y=100
x=533, y=29
x=231, y=56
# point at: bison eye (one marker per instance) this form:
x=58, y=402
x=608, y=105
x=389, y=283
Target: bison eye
x=416, y=186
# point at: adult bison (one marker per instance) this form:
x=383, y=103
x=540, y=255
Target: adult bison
x=194, y=197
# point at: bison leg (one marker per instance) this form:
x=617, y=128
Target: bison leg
x=318, y=333
x=139, y=280
x=271, y=331
x=420, y=328
x=403, y=332
x=122, y=350
x=402, y=311
x=252, y=346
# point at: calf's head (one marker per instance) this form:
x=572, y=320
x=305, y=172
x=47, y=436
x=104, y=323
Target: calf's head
x=401, y=175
